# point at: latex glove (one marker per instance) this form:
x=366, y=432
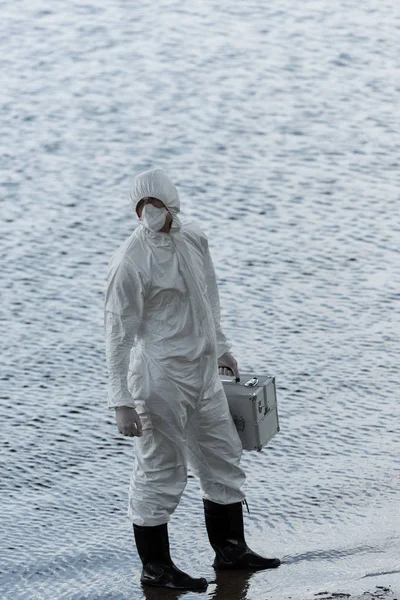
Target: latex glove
x=228, y=365
x=128, y=421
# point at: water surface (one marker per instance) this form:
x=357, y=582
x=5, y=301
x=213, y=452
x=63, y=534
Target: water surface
x=279, y=125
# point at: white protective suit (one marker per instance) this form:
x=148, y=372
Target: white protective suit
x=163, y=340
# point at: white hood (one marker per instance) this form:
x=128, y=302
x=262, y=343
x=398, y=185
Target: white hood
x=157, y=184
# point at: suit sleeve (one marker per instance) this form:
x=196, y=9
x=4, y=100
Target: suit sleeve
x=123, y=311
x=223, y=344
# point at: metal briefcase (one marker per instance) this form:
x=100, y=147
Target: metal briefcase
x=253, y=405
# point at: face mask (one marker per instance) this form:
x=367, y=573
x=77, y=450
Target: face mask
x=154, y=217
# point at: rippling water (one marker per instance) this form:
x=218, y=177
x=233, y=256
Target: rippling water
x=278, y=123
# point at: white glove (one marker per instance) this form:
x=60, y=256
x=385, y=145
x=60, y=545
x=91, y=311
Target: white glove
x=128, y=421
x=228, y=365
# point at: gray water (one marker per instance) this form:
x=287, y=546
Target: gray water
x=279, y=124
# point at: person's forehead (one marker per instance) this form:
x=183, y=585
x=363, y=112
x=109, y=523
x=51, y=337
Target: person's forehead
x=150, y=198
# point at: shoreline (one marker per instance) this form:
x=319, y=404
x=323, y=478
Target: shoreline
x=381, y=587
x=380, y=592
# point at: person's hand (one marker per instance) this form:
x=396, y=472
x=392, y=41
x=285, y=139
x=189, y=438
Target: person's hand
x=128, y=421
x=228, y=365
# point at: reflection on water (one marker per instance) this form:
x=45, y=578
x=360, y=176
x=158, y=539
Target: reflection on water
x=232, y=585
x=226, y=585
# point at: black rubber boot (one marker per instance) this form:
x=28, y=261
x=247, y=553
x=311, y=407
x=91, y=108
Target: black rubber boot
x=225, y=530
x=158, y=569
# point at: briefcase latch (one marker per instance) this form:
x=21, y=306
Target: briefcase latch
x=252, y=382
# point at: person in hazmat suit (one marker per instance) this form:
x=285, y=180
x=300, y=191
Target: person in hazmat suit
x=165, y=351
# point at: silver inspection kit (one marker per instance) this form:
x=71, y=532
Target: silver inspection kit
x=253, y=405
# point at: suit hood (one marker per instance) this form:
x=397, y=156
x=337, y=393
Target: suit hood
x=157, y=184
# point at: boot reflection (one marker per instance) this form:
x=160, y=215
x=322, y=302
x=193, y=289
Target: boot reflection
x=159, y=593
x=231, y=585
x=226, y=585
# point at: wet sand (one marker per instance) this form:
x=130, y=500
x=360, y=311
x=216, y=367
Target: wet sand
x=243, y=585
x=230, y=587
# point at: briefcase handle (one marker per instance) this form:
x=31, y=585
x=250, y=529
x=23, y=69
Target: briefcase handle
x=233, y=379
x=251, y=383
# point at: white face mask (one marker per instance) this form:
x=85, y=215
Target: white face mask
x=154, y=217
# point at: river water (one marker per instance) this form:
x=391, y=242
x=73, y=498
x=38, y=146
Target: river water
x=279, y=124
